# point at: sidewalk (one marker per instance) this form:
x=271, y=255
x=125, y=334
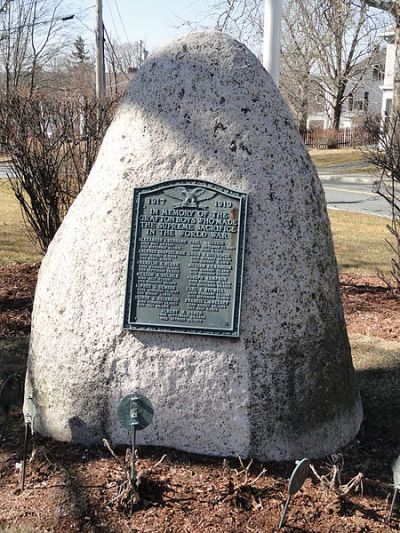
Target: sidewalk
x=327, y=176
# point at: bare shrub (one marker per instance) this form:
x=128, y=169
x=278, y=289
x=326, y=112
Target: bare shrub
x=332, y=480
x=52, y=144
x=387, y=158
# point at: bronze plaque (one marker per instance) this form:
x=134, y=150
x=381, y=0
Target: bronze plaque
x=186, y=258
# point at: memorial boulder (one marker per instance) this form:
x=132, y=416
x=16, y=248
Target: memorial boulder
x=196, y=267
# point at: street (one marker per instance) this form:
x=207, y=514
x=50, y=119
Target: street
x=355, y=197
x=4, y=169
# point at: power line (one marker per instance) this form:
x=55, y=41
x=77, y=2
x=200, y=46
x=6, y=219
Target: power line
x=114, y=53
x=122, y=22
x=113, y=21
x=49, y=21
x=84, y=10
x=85, y=25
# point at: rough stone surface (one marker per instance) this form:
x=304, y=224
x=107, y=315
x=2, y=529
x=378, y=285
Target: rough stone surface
x=202, y=107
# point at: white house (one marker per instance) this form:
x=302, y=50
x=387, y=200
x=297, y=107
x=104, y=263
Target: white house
x=364, y=95
x=387, y=87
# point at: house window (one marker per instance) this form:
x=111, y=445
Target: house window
x=366, y=100
x=315, y=124
x=351, y=101
x=358, y=105
x=386, y=116
x=378, y=72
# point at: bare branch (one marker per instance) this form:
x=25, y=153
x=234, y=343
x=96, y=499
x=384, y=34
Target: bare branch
x=385, y=5
x=52, y=144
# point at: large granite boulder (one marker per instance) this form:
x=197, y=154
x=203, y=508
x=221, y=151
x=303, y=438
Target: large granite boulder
x=202, y=108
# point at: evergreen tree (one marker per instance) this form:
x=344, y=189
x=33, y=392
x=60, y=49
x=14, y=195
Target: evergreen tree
x=80, y=53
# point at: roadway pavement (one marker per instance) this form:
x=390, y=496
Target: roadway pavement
x=350, y=191
x=355, y=197
x=4, y=169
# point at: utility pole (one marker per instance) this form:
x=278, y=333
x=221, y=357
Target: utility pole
x=272, y=37
x=100, y=76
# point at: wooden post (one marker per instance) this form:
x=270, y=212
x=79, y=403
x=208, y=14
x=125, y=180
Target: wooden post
x=100, y=78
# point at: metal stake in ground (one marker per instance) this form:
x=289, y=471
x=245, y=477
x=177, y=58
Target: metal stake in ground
x=297, y=479
x=29, y=417
x=135, y=412
x=133, y=457
x=24, y=457
x=396, y=481
x=134, y=422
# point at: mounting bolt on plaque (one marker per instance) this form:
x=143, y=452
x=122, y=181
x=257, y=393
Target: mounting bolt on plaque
x=296, y=481
x=135, y=412
x=396, y=482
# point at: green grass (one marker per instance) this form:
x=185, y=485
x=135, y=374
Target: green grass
x=359, y=242
x=15, y=246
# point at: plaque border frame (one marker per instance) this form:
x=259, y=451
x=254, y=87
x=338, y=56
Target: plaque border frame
x=239, y=274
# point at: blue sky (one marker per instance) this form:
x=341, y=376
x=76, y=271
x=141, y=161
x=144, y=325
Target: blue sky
x=153, y=21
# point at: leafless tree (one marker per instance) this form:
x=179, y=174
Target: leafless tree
x=297, y=65
x=4, y=5
x=344, y=35
x=52, y=144
x=122, y=61
x=75, y=74
x=336, y=38
x=31, y=35
x=243, y=19
x=387, y=158
x=325, y=42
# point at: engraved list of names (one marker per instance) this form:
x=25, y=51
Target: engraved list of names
x=186, y=258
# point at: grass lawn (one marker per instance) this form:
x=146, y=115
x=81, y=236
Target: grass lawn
x=15, y=246
x=360, y=242
x=326, y=158
x=353, y=158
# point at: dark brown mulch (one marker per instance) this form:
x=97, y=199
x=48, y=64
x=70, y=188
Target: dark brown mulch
x=370, y=307
x=74, y=488
x=17, y=287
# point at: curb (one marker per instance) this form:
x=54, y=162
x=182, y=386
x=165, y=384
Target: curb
x=348, y=178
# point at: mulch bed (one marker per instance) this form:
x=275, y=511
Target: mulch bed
x=17, y=287
x=75, y=488
x=370, y=307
